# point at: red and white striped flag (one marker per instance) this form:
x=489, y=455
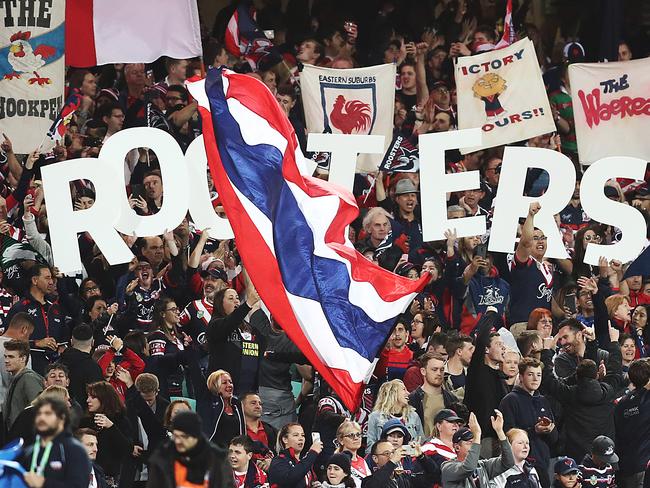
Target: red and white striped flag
x=509, y=34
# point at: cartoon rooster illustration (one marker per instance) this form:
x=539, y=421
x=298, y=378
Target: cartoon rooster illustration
x=24, y=59
x=350, y=116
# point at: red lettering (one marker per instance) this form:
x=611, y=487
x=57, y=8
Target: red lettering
x=515, y=118
x=507, y=60
x=595, y=111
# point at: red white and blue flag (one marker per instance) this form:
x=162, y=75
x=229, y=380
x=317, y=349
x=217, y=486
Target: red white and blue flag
x=244, y=38
x=60, y=125
x=291, y=232
x=509, y=34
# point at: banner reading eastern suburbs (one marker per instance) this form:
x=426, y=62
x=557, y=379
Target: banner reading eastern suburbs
x=350, y=101
x=502, y=92
x=611, y=108
x=31, y=70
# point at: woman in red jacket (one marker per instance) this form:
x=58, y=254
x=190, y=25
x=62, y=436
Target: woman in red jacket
x=130, y=362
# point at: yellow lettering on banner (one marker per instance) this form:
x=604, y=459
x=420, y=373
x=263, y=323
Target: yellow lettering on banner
x=250, y=349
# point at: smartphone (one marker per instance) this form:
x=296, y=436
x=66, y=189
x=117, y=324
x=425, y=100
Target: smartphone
x=137, y=191
x=409, y=450
x=270, y=34
x=570, y=302
x=544, y=421
x=481, y=250
x=315, y=437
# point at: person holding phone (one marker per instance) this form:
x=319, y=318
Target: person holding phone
x=525, y=408
x=289, y=469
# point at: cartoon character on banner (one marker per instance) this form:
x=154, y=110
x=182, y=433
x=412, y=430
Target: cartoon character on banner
x=23, y=58
x=488, y=88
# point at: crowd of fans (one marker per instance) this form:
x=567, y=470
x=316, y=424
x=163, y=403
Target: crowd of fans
x=506, y=371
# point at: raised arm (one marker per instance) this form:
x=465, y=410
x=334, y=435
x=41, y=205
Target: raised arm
x=526, y=240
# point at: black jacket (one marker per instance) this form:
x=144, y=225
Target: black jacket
x=484, y=386
x=83, y=371
x=68, y=465
x=589, y=404
x=632, y=419
x=522, y=410
x=288, y=472
x=383, y=477
x=115, y=444
x=215, y=464
x=417, y=396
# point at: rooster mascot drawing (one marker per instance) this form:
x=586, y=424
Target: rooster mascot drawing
x=350, y=117
x=25, y=59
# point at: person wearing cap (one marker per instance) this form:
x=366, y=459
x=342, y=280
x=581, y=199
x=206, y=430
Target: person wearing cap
x=83, y=370
x=441, y=445
x=188, y=459
x=596, y=468
x=407, y=217
x=432, y=396
x=632, y=420
x=467, y=471
x=567, y=473
x=338, y=472
x=525, y=408
x=389, y=470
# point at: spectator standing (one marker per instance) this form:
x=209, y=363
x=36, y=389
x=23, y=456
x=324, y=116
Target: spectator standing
x=393, y=403
x=596, y=467
x=349, y=437
x=467, y=471
x=288, y=469
x=632, y=421
x=83, y=370
x=56, y=458
x=244, y=470
x=189, y=459
x=20, y=328
x=257, y=429
x=25, y=385
x=432, y=396
x=522, y=473
x=88, y=438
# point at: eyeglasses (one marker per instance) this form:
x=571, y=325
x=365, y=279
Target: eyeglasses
x=173, y=309
x=385, y=453
x=540, y=238
x=353, y=435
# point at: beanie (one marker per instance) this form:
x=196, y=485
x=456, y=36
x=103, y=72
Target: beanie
x=342, y=460
x=188, y=423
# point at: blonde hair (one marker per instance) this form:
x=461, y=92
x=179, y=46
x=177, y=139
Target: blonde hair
x=387, y=399
x=612, y=303
x=214, y=380
x=346, y=427
x=53, y=391
x=514, y=432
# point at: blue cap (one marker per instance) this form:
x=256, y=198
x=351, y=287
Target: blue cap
x=394, y=425
x=566, y=465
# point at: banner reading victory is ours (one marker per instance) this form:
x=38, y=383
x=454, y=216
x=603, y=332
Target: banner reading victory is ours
x=350, y=101
x=502, y=92
x=611, y=108
x=31, y=70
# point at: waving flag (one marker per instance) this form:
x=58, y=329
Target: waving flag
x=244, y=38
x=291, y=233
x=509, y=34
x=60, y=125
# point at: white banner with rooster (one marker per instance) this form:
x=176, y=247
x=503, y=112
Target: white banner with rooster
x=32, y=70
x=350, y=101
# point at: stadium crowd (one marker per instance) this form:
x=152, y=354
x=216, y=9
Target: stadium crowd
x=506, y=371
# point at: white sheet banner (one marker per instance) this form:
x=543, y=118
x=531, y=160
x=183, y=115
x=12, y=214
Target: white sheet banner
x=502, y=92
x=350, y=101
x=32, y=70
x=611, y=108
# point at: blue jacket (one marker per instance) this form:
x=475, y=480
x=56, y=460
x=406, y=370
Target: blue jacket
x=632, y=420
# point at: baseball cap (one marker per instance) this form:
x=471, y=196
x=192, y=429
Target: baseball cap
x=463, y=434
x=566, y=465
x=216, y=273
x=405, y=186
x=603, y=448
x=610, y=192
x=448, y=415
x=394, y=425
x=404, y=268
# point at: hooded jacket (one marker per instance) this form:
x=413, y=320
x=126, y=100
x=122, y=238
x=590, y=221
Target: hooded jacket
x=522, y=410
x=589, y=404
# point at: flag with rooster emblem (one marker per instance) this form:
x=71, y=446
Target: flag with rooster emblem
x=32, y=71
x=350, y=101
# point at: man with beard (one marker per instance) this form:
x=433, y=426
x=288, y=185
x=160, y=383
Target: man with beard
x=49, y=326
x=189, y=459
x=432, y=396
x=56, y=456
x=196, y=316
x=407, y=224
x=574, y=339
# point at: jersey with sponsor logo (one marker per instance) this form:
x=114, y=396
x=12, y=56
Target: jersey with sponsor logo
x=141, y=303
x=531, y=287
x=195, y=319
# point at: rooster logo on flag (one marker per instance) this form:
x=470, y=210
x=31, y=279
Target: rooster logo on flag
x=23, y=58
x=352, y=116
x=60, y=125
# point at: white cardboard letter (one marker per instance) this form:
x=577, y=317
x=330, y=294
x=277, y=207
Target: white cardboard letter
x=510, y=204
x=435, y=183
x=600, y=208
